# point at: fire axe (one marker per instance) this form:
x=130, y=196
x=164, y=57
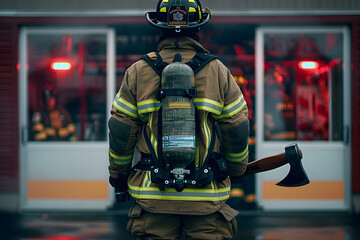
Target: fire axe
x=292, y=155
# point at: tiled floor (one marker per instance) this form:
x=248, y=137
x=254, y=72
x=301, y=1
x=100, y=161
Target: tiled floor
x=111, y=225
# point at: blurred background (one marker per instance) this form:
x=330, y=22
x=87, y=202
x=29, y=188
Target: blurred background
x=297, y=63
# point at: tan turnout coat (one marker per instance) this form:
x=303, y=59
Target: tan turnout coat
x=218, y=99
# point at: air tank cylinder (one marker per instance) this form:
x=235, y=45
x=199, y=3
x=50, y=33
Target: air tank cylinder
x=178, y=115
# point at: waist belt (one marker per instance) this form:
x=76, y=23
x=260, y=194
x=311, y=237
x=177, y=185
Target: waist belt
x=180, y=177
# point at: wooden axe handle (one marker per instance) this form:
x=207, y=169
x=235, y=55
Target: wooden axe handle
x=267, y=163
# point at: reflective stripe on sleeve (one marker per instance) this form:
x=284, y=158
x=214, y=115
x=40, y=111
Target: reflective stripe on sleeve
x=120, y=160
x=233, y=108
x=144, y=117
x=237, y=157
x=147, y=106
x=208, y=105
x=124, y=106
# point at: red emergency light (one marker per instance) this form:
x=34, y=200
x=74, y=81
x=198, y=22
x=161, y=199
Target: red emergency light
x=60, y=66
x=308, y=65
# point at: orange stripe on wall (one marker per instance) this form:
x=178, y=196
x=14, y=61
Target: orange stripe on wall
x=70, y=190
x=315, y=190
x=323, y=233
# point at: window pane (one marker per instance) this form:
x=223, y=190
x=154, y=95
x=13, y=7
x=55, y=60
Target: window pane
x=303, y=87
x=67, y=87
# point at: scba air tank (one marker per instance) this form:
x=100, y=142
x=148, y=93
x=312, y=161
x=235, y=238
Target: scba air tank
x=178, y=114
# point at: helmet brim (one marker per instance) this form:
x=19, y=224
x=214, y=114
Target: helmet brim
x=151, y=18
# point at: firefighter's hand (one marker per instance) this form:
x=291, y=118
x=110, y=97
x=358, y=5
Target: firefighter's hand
x=121, y=189
x=122, y=196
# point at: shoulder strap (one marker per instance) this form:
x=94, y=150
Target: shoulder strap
x=199, y=61
x=196, y=63
x=156, y=63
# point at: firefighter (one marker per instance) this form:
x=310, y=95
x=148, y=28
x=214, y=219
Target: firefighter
x=171, y=201
x=52, y=123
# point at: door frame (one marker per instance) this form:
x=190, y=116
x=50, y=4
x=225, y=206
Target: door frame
x=24, y=118
x=264, y=148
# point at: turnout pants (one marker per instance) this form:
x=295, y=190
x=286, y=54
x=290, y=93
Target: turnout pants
x=147, y=225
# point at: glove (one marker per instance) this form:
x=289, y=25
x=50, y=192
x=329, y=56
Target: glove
x=121, y=189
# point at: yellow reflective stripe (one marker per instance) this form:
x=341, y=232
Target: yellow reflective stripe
x=197, y=156
x=120, y=160
x=200, y=17
x=147, y=106
x=147, y=179
x=40, y=136
x=188, y=194
x=165, y=1
x=144, y=117
x=214, y=186
x=233, y=108
x=208, y=105
x=207, y=136
x=163, y=9
x=124, y=106
x=191, y=9
x=38, y=127
x=153, y=140
x=191, y=1
x=237, y=157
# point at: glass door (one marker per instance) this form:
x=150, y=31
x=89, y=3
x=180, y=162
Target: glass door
x=303, y=96
x=67, y=80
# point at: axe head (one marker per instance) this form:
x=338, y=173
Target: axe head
x=297, y=175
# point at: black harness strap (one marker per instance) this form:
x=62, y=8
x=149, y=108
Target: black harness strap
x=188, y=93
x=199, y=61
x=156, y=162
x=196, y=63
x=158, y=64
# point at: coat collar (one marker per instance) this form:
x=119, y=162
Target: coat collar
x=181, y=43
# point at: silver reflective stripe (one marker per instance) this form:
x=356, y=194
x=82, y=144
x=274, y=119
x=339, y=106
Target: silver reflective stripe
x=183, y=194
x=238, y=107
x=130, y=110
x=148, y=106
x=188, y=194
x=208, y=106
